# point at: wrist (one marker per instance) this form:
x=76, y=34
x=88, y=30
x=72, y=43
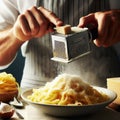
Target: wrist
x=16, y=39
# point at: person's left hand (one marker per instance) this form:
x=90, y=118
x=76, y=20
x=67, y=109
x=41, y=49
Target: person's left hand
x=34, y=23
x=108, y=24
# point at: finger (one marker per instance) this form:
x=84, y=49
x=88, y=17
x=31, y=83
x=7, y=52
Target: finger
x=113, y=33
x=38, y=15
x=51, y=16
x=50, y=27
x=34, y=26
x=97, y=43
x=86, y=20
x=41, y=20
x=104, y=23
x=24, y=25
x=110, y=38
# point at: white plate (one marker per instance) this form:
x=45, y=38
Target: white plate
x=68, y=111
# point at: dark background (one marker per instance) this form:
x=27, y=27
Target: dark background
x=16, y=68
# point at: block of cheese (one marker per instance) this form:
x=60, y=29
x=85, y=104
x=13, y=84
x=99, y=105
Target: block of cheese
x=114, y=84
x=66, y=29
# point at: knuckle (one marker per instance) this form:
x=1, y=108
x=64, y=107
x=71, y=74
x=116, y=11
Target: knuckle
x=103, y=16
x=50, y=13
x=27, y=12
x=33, y=8
x=40, y=8
x=35, y=28
x=82, y=19
x=44, y=23
x=21, y=17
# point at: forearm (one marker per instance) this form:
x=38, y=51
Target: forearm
x=9, y=45
x=33, y=23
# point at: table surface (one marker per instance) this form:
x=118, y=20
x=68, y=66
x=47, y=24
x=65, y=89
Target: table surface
x=31, y=113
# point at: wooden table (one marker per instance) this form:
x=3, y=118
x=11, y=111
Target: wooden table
x=31, y=113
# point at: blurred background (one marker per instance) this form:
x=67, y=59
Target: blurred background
x=16, y=68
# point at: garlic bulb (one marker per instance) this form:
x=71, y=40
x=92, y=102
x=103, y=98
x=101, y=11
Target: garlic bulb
x=6, y=111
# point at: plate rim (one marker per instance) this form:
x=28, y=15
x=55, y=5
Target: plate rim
x=90, y=105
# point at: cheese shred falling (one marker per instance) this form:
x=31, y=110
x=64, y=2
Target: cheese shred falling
x=67, y=89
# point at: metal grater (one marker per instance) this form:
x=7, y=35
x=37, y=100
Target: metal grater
x=67, y=48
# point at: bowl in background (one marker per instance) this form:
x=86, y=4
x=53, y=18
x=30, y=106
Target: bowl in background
x=7, y=97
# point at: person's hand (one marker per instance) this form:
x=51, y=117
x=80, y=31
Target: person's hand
x=108, y=24
x=34, y=23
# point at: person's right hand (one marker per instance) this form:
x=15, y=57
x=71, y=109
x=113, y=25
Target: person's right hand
x=34, y=23
x=108, y=25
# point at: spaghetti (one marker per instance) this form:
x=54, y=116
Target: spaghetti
x=7, y=83
x=67, y=89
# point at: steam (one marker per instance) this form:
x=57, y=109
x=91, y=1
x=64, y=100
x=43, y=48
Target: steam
x=96, y=67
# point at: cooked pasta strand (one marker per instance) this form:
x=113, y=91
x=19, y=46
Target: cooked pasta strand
x=67, y=90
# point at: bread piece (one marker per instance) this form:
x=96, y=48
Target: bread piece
x=66, y=29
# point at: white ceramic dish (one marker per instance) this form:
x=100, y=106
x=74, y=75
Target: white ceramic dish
x=68, y=111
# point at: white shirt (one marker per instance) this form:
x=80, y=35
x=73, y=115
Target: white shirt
x=9, y=13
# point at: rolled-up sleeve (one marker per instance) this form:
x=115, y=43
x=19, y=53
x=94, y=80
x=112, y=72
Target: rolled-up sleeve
x=8, y=16
x=6, y=66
